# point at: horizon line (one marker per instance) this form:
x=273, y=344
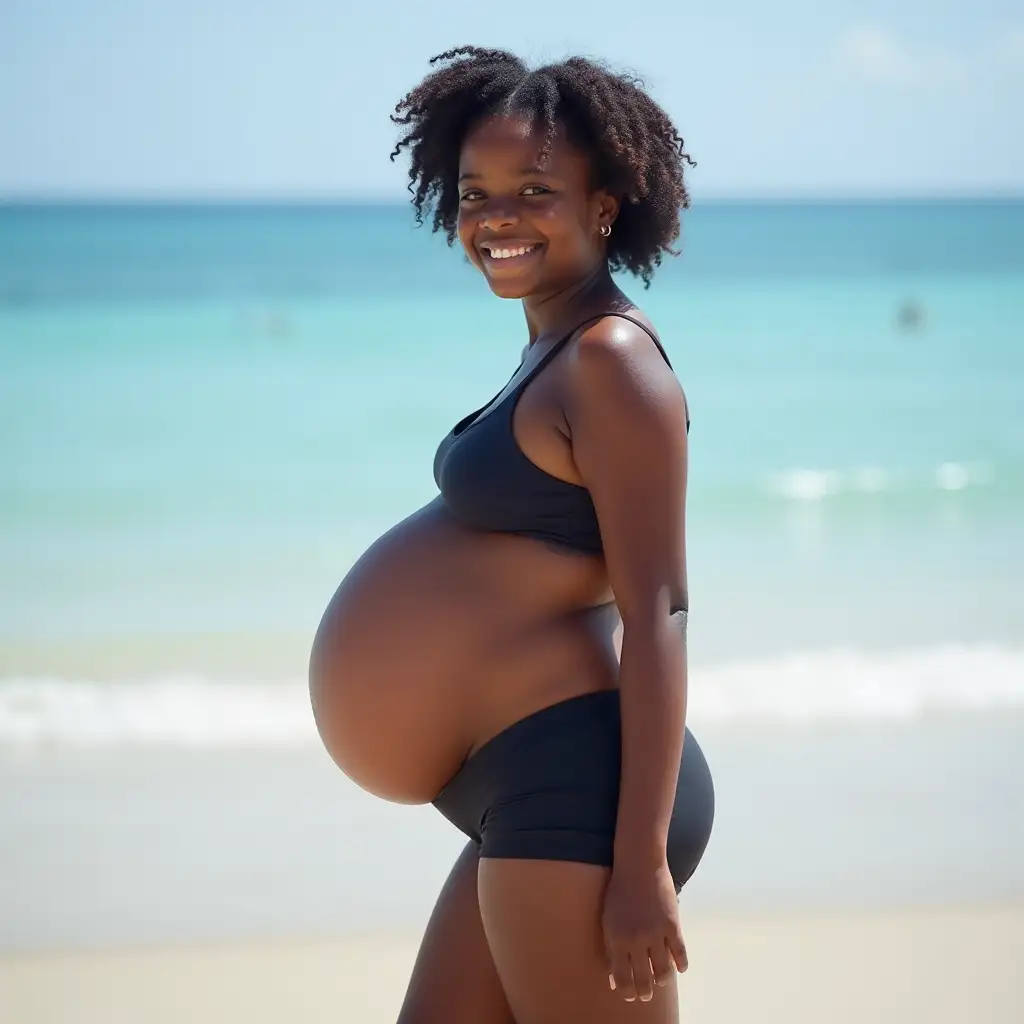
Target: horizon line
x=349, y=200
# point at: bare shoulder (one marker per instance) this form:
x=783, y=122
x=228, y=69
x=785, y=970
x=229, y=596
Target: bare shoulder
x=615, y=359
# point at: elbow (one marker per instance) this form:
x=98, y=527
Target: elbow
x=654, y=611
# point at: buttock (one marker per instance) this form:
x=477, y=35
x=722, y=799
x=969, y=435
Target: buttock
x=547, y=788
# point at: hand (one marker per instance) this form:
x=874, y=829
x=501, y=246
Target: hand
x=642, y=937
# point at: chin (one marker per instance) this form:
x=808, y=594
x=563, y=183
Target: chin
x=508, y=290
x=513, y=288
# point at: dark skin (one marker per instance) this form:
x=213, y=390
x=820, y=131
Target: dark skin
x=516, y=626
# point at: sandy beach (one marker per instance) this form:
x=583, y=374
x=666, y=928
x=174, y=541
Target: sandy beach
x=935, y=966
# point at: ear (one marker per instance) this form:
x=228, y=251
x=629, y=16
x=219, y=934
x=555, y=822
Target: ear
x=607, y=208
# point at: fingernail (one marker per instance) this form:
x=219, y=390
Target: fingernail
x=646, y=999
x=611, y=982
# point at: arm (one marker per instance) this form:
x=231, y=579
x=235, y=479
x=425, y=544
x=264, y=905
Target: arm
x=627, y=418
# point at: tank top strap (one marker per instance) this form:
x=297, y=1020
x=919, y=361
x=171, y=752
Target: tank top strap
x=563, y=341
x=550, y=354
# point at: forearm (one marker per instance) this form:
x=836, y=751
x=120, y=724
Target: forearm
x=652, y=686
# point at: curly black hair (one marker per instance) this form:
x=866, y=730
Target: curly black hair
x=636, y=151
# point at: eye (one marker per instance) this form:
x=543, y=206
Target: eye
x=535, y=190
x=471, y=195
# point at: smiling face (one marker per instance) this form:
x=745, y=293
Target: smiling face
x=529, y=229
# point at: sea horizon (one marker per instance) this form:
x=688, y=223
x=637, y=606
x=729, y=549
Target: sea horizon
x=401, y=199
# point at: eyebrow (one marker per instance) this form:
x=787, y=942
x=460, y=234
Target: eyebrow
x=524, y=171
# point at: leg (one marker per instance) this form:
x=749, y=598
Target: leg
x=454, y=980
x=542, y=919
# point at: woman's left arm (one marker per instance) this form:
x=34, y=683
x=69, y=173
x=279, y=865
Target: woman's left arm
x=627, y=418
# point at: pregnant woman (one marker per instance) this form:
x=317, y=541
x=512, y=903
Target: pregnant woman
x=515, y=651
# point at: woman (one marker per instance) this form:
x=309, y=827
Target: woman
x=515, y=650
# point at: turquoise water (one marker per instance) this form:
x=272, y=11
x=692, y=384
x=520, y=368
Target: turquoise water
x=206, y=413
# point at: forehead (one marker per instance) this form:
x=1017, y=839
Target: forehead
x=513, y=144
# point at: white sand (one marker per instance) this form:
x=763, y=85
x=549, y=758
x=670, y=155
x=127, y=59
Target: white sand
x=935, y=966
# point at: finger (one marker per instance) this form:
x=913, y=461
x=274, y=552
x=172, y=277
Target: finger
x=678, y=950
x=643, y=976
x=662, y=964
x=621, y=977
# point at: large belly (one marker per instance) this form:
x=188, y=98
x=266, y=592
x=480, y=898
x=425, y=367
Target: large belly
x=423, y=638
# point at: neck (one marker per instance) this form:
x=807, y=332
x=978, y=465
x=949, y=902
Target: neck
x=559, y=310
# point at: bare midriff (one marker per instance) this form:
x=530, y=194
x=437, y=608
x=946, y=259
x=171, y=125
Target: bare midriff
x=440, y=637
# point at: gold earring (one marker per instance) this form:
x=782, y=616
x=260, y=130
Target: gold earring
x=606, y=230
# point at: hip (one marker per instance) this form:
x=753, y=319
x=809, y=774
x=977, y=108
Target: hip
x=547, y=788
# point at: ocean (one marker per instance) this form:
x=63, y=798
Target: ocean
x=207, y=412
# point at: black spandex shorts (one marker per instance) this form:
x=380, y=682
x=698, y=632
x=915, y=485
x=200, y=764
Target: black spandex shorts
x=547, y=788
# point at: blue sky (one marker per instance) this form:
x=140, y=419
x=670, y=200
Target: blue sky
x=247, y=98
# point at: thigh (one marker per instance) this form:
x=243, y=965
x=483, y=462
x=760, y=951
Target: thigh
x=543, y=925
x=454, y=980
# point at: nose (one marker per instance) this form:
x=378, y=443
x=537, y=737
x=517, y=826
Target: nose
x=499, y=213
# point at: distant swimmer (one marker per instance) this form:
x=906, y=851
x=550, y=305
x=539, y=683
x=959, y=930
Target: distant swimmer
x=278, y=325
x=910, y=316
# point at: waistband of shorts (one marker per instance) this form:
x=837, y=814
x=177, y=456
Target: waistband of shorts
x=581, y=709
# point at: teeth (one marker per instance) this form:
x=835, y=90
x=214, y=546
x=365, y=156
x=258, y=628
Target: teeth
x=504, y=254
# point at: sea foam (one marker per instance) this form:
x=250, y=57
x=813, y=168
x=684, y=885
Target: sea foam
x=806, y=687
x=812, y=485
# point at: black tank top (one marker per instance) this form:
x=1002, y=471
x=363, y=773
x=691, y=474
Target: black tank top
x=488, y=483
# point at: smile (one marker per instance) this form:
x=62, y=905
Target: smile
x=504, y=253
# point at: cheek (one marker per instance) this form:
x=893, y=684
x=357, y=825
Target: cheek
x=465, y=228
x=565, y=224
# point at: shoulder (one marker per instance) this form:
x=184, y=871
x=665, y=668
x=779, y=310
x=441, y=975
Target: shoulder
x=616, y=337
x=615, y=360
